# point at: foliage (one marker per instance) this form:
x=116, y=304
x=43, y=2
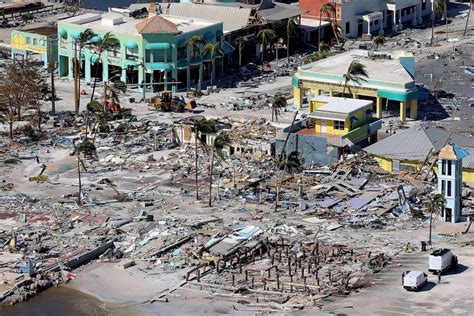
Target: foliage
x=87, y=148
x=356, y=73
x=222, y=140
x=40, y=178
x=278, y=103
x=94, y=107
x=314, y=57
x=379, y=40
x=291, y=163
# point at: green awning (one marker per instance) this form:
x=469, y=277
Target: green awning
x=93, y=59
x=398, y=96
x=159, y=66
x=131, y=44
x=96, y=39
x=62, y=33
x=158, y=46
x=182, y=64
x=75, y=34
x=196, y=60
x=130, y=63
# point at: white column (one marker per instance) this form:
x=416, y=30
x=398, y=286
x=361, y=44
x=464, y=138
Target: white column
x=414, y=22
x=368, y=27
x=399, y=25
x=394, y=27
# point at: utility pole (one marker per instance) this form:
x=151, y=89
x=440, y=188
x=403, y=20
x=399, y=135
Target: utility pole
x=52, y=69
x=76, y=88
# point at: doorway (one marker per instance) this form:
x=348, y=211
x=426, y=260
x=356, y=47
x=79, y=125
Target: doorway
x=323, y=126
x=449, y=214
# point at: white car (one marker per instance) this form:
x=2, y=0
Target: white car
x=414, y=280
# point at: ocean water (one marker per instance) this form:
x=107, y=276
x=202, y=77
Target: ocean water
x=103, y=5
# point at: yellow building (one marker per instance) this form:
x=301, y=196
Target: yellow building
x=408, y=149
x=390, y=80
x=348, y=120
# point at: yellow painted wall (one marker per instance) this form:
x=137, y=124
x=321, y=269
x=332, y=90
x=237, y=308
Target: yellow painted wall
x=386, y=164
x=330, y=127
x=298, y=97
x=313, y=105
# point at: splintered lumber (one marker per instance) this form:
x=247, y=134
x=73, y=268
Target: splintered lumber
x=178, y=243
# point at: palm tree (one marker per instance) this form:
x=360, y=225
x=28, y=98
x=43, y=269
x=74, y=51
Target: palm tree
x=82, y=41
x=242, y=43
x=88, y=149
x=337, y=30
x=278, y=103
x=194, y=44
x=291, y=28
x=438, y=10
x=222, y=140
x=291, y=163
x=379, y=40
x=105, y=43
x=355, y=73
x=435, y=205
x=113, y=91
x=327, y=10
x=213, y=49
x=467, y=20
x=324, y=49
x=200, y=127
x=267, y=39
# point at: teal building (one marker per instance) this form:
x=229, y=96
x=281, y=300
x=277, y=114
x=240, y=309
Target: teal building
x=152, y=50
x=39, y=44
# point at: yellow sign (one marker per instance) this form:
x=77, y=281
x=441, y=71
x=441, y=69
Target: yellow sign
x=19, y=42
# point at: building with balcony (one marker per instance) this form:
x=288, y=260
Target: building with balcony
x=333, y=126
x=390, y=83
x=38, y=44
x=150, y=50
x=371, y=17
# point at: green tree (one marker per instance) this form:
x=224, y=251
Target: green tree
x=200, y=128
x=105, y=43
x=379, y=40
x=324, y=49
x=356, y=73
x=194, y=44
x=467, y=19
x=435, y=206
x=88, y=149
x=82, y=41
x=327, y=10
x=291, y=31
x=278, y=103
x=438, y=11
x=214, y=50
x=222, y=140
x=267, y=39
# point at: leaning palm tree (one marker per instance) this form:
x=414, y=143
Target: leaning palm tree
x=199, y=128
x=327, y=10
x=467, y=19
x=82, y=41
x=267, y=39
x=291, y=28
x=435, y=205
x=88, y=149
x=194, y=44
x=278, y=103
x=356, y=73
x=222, y=140
x=438, y=10
x=214, y=50
x=379, y=40
x=104, y=44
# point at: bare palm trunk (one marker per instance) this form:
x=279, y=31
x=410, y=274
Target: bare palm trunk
x=76, y=88
x=261, y=56
x=431, y=223
x=447, y=21
x=240, y=56
x=433, y=18
x=79, y=177
x=288, y=49
x=95, y=78
x=211, y=169
x=319, y=36
x=212, y=72
x=188, y=72
x=196, y=165
x=467, y=20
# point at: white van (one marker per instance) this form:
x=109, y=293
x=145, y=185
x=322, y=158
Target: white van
x=442, y=260
x=414, y=280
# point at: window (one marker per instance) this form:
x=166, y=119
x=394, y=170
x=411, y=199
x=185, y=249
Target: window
x=423, y=5
x=182, y=52
x=132, y=53
x=339, y=125
x=443, y=187
x=348, y=27
x=35, y=41
x=443, y=167
x=114, y=52
x=157, y=55
x=449, y=188
x=28, y=41
x=449, y=167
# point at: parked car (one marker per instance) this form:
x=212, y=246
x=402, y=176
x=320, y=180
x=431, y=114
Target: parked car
x=442, y=260
x=414, y=280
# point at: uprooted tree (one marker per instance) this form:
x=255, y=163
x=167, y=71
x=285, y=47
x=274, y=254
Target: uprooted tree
x=22, y=86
